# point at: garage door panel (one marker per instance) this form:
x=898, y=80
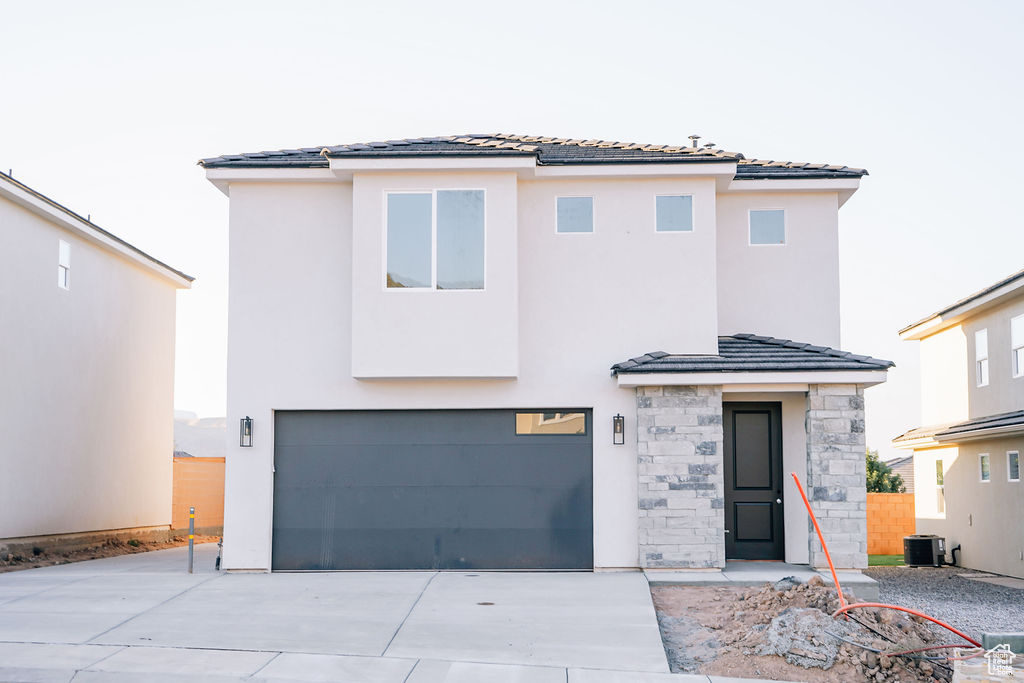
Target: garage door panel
x=429, y=490
x=492, y=507
x=403, y=427
x=435, y=465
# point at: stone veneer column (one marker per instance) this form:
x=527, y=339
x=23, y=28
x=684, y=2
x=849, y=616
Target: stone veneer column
x=681, y=495
x=836, y=477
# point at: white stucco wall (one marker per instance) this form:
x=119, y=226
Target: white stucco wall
x=983, y=517
x=86, y=398
x=790, y=291
x=945, y=373
x=1004, y=392
x=583, y=302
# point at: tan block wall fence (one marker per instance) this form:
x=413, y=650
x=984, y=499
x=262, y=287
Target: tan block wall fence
x=198, y=482
x=890, y=518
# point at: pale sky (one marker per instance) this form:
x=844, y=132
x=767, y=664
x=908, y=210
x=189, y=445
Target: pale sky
x=107, y=106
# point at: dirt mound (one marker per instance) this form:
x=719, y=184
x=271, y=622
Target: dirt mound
x=785, y=630
x=111, y=547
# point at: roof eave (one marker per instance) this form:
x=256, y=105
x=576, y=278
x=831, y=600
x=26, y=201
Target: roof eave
x=641, y=378
x=994, y=295
x=49, y=209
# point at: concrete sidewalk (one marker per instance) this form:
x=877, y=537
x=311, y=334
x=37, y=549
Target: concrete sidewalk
x=759, y=573
x=142, y=618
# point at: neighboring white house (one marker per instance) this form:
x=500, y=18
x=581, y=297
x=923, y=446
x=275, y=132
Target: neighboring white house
x=86, y=375
x=967, y=453
x=431, y=340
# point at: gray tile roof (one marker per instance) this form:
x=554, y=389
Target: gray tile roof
x=751, y=353
x=950, y=430
x=968, y=299
x=548, y=151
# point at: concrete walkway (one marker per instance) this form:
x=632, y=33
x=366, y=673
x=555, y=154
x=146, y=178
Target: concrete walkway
x=142, y=618
x=759, y=573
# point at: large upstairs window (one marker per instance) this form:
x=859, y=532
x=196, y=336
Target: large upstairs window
x=981, y=357
x=435, y=240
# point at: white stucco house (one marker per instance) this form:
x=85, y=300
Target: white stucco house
x=502, y=351
x=967, y=448
x=86, y=377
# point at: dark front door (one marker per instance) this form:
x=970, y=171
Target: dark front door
x=753, y=481
x=433, y=489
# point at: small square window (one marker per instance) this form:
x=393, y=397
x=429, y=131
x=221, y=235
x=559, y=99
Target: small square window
x=1013, y=466
x=575, y=214
x=981, y=357
x=983, y=467
x=768, y=226
x=64, y=265
x=674, y=213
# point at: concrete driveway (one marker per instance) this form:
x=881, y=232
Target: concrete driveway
x=141, y=617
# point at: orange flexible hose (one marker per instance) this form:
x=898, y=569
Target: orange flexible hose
x=831, y=568
x=843, y=610
x=843, y=607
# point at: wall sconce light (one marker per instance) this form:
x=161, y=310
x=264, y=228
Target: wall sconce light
x=245, y=432
x=618, y=430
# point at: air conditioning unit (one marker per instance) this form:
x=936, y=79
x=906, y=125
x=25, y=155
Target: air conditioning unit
x=924, y=550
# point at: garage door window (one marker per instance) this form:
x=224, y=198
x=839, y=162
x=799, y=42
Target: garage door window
x=435, y=240
x=551, y=423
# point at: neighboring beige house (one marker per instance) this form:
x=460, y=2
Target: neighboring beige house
x=86, y=375
x=905, y=468
x=505, y=351
x=967, y=453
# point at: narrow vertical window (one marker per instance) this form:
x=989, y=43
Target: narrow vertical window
x=1017, y=345
x=674, y=213
x=768, y=226
x=575, y=214
x=981, y=356
x=64, y=265
x=984, y=471
x=1013, y=466
x=409, y=240
x=460, y=239
x=940, y=488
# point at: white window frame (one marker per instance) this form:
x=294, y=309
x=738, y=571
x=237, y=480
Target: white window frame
x=981, y=457
x=693, y=214
x=1015, y=344
x=63, y=265
x=593, y=215
x=940, y=489
x=1008, y=454
x=433, y=240
x=981, y=360
x=785, y=228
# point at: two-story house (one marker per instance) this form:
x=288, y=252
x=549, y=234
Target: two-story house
x=967, y=453
x=86, y=378
x=501, y=351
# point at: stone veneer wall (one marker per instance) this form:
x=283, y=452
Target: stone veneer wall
x=681, y=494
x=836, y=477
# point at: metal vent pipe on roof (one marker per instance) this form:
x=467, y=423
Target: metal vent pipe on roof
x=693, y=141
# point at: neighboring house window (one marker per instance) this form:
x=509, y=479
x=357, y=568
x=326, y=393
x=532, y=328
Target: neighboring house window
x=673, y=213
x=940, y=488
x=983, y=467
x=1017, y=345
x=768, y=226
x=435, y=240
x=64, y=265
x=981, y=356
x=575, y=214
x=1013, y=466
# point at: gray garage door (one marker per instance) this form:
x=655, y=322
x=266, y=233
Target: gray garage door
x=433, y=489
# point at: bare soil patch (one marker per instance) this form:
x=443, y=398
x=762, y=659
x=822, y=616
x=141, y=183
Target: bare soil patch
x=46, y=557
x=784, y=631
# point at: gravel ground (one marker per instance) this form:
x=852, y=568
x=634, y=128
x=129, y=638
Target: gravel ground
x=974, y=607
